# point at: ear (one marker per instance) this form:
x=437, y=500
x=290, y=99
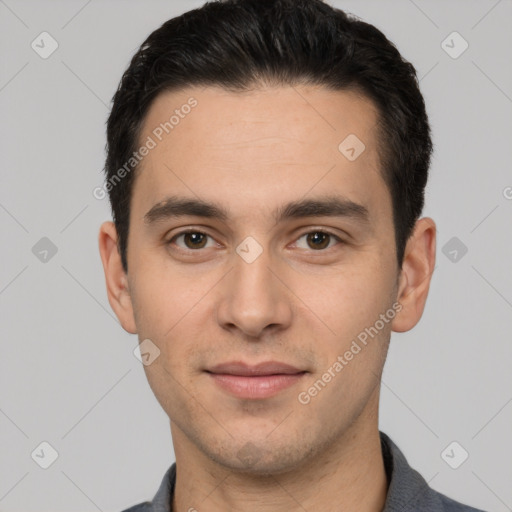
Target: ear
x=415, y=275
x=116, y=279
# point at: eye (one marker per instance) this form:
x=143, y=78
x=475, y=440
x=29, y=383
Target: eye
x=318, y=240
x=193, y=240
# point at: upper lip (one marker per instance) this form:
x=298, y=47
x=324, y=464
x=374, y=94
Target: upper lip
x=265, y=368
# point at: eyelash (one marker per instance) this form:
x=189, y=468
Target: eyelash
x=195, y=231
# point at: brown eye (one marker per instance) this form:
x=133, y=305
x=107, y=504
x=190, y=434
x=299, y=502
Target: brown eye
x=192, y=240
x=318, y=240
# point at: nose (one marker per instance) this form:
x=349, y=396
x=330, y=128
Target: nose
x=253, y=299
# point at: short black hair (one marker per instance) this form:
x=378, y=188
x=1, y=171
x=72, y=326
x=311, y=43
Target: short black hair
x=241, y=44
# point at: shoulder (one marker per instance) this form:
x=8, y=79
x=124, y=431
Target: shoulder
x=449, y=505
x=162, y=500
x=408, y=490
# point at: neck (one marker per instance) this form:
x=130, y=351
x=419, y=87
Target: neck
x=347, y=475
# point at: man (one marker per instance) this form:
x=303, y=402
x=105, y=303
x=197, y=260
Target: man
x=266, y=167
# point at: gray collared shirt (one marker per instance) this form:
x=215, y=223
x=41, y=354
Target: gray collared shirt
x=407, y=492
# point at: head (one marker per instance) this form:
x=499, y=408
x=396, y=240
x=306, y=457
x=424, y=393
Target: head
x=273, y=215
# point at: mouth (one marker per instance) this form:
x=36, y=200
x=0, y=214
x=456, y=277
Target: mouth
x=259, y=381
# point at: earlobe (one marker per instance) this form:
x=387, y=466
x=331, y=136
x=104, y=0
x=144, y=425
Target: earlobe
x=416, y=274
x=115, y=277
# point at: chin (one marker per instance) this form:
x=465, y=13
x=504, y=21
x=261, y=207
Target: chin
x=262, y=459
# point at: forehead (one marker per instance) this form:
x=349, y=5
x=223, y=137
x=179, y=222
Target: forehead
x=249, y=146
x=234, y=120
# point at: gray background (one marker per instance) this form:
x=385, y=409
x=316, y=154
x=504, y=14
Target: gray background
x=67, y=369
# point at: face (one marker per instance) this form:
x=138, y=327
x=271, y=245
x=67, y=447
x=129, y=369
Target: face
x=254, y=239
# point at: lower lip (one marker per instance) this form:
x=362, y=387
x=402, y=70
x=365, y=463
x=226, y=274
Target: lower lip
x=260, y=386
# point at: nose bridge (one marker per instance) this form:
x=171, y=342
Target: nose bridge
x=253, y=298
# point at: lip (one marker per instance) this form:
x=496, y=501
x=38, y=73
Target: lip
x=255, y=381
x=265, y=368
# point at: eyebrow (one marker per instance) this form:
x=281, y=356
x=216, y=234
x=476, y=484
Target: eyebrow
x=330, y=206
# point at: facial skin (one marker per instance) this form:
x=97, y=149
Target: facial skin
x=252, y=153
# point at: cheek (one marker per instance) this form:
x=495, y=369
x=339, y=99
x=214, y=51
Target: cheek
x=347, y=301
x=173, y=311
x=161, y=298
